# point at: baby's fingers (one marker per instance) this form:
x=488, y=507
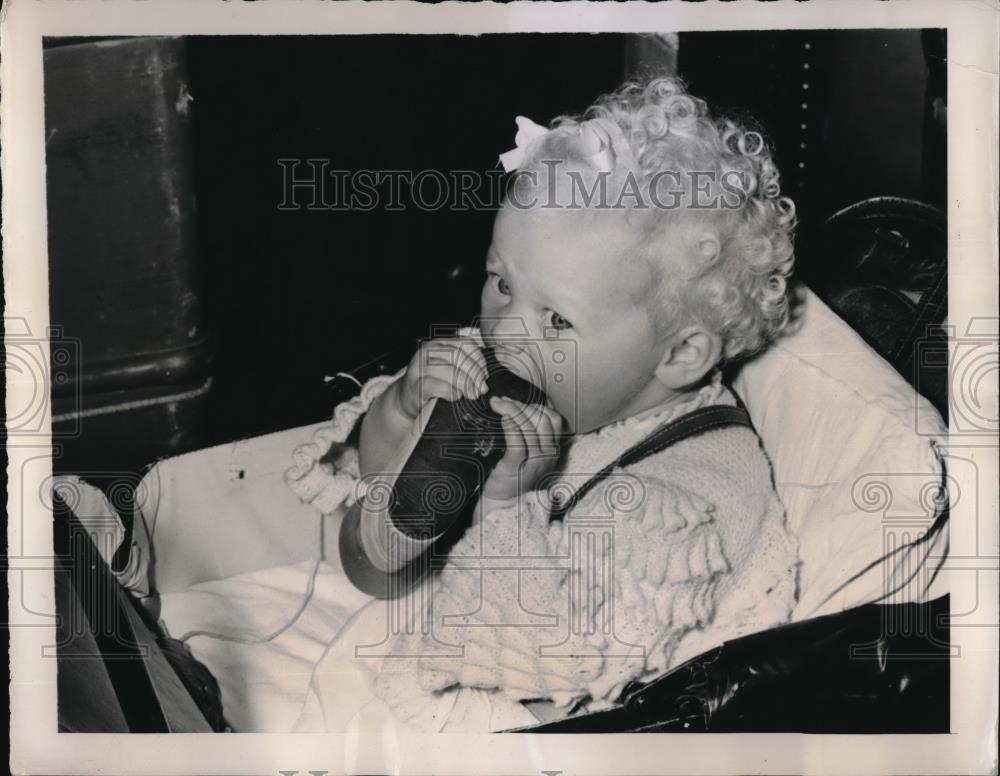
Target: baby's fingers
x=538, y=419
x=536, y=434
x=548, y=433
x=514, y=439
x=551, y=420
x=454, y=362
x=475, y=354
x=437, y=388
x=472, y=363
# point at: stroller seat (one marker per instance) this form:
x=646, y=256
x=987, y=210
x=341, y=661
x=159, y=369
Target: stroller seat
x=857, y=459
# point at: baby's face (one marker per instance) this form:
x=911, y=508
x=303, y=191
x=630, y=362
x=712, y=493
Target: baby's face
x=562, y=306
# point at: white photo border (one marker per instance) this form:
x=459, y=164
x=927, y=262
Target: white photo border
x=972, y=224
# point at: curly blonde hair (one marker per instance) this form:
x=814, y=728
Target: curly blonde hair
x=740, y=291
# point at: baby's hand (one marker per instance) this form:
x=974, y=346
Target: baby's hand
x=449, y=369
x=531, y=433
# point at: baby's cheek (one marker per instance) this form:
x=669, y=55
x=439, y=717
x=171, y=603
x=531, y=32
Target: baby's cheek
x=485, y=308
x=562, y=397
x=574, y=391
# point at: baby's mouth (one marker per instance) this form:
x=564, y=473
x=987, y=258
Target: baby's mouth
x=509, y=377
x=516, y=361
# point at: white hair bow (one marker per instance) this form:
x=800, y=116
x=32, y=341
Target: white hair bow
x=527, y=131
x=601, y=137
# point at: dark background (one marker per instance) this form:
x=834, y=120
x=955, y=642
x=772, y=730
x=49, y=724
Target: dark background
x=172, y=264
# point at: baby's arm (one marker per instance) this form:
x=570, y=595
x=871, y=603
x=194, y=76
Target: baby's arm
x=372, y=551
x=383, y=429
x=440, y=369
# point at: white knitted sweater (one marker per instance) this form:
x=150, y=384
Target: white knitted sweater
x=660, y=562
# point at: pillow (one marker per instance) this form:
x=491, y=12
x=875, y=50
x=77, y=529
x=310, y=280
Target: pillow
x=854, y=451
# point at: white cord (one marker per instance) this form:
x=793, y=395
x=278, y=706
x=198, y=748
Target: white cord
x=310, y=589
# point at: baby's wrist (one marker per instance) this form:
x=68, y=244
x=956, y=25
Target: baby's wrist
x=398, y=404
x=489, y=501
x=392, y=408
x=383, y=428
x=502, y=487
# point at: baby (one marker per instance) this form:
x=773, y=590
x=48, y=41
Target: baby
x=640, y=247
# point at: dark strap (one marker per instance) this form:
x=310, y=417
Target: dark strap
x=692, y=424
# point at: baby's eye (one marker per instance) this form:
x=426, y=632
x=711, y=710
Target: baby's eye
x=556, y=321
x=501, y=284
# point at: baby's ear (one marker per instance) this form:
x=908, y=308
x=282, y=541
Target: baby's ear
x=689, y=355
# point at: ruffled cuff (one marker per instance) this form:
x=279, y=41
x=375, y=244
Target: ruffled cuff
x=325, y=471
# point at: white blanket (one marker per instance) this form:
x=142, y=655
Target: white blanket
x=264, y=685
x=310, y=676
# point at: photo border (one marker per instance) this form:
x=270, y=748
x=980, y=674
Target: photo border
x=972, y=239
